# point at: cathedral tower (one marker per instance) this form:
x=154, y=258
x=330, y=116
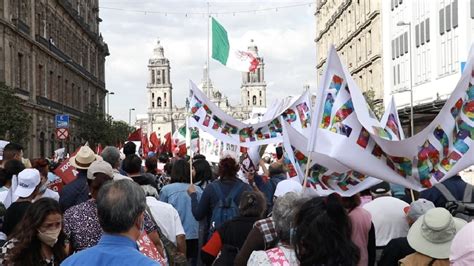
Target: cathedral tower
x=254, y=89
x=159, y=92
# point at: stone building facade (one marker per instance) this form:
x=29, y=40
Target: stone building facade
x=354, y=27
x=53, y=55
x=163, y=117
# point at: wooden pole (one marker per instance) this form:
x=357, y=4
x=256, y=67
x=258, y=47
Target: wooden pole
x=308, y=166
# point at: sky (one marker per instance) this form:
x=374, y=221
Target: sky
x=284, y=36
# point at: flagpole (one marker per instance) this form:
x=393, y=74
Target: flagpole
x=308, y=166
x=208, y=53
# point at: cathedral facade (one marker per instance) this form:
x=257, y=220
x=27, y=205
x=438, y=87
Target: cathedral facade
x=163, y=117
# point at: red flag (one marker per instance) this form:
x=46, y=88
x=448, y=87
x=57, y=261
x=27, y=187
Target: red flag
x=98, y=149
x=135, y=135
x=145, y=145
x=155, y=142
x=168, y=143
x=66, y=171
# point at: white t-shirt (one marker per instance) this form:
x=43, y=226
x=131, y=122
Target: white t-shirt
x=166, y=217
x=388, y=218
x=49, y=193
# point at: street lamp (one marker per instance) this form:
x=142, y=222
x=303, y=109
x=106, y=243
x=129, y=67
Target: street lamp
x=402, y=24
x=108, y=101
x=130, y=116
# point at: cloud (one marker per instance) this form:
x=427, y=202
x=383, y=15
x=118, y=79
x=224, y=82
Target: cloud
x=285, y=38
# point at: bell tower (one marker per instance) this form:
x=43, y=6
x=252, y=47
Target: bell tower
x=159, y=92
x=254, y=88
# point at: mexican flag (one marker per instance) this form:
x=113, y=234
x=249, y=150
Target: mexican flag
x=228, y=55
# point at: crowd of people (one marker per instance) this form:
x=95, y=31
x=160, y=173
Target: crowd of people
x=122, y=209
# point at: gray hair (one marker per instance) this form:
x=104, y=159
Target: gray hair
x=119, y=204
x=111, y=155
x=284, y=211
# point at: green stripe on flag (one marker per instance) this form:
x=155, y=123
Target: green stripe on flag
x=220, y=42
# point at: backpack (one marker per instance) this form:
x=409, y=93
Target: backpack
x=464, y=208
x=226, y=207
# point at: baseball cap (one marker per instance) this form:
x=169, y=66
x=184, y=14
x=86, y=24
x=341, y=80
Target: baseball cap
x=28, y=179
x=381, y=188
x=99, y=167
x=418, y=208
x=286, y=186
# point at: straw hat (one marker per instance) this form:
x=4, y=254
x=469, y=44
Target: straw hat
x=83, y=158
x=433, y=233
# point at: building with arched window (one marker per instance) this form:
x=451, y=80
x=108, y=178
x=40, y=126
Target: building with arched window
x=53, y=55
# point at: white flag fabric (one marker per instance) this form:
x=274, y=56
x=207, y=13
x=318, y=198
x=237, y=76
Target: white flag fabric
x=327, y=175
x=349, y=132
x=208, y=117
x=391, y=121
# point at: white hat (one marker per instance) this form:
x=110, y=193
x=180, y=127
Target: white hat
x=286, y=186
x=28, y=179
x=433, y=233
x=99, y=167
x=83, y=158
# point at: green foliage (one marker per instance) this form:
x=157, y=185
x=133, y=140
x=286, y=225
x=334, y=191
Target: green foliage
x=376, y=105
x=14, y=120
x=97, y=127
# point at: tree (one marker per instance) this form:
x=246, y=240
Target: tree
x=97, y=127
x=376, y=105
x=14, y=120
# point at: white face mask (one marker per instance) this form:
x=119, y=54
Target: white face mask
x=49, y=237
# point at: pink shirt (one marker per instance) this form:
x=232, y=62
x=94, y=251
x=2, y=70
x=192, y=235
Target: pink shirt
x=361, y=222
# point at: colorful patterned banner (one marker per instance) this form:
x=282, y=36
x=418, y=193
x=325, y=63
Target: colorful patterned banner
x=327, y=175
x=208, y=117
x=344, y=128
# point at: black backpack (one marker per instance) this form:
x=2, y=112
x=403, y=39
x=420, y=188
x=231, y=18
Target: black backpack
x=464, y=208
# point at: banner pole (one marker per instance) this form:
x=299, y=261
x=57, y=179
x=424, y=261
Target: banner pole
x=412, y=195
x=308, y=166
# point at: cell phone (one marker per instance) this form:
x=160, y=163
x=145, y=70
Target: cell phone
x=279, y=152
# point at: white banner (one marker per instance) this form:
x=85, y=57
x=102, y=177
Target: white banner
x=209, y=118
x=347, y=131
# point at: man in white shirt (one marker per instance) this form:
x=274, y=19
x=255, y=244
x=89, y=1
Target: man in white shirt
x=388, y=216
x=167, y=218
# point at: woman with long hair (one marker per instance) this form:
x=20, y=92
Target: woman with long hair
x=175, y=194
x=39, y=240
x=323, y=234
x=202, y=173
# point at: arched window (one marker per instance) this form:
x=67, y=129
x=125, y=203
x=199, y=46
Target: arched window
x=152, y=96
x=152, y=76
x=260, y=102
x=165, y=103
x=152, y=104
x=52, y=144
x=248, y=93
x=254, y=100
x=165, y=95
x=41, y=145
x=158, y=102
x=260, y=93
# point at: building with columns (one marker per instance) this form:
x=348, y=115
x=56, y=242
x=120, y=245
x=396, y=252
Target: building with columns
x=355, y=29
x=53, y=55
x=164, y=117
